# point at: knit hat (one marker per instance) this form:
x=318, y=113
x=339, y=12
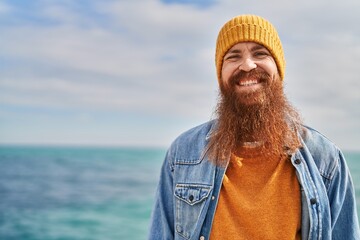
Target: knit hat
x=249, y=28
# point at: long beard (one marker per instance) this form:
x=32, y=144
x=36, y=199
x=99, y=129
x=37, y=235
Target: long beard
x=269, y=120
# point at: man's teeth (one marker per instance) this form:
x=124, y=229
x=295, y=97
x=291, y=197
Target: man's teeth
x=248, y=82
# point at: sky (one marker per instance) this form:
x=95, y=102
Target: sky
x=140, y=72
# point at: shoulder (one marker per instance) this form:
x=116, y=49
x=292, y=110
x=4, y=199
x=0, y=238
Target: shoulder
x=200, y=131
x=325, y=153
x=190, y=145
x=317, y=142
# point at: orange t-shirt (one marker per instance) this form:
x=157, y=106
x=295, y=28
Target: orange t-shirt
x=259, y=199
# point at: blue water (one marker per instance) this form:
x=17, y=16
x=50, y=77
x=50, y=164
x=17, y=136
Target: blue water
x=84, y=193
x=76, y=193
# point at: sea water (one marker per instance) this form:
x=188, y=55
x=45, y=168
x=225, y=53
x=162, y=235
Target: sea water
x=77, y=193
x=85, y=193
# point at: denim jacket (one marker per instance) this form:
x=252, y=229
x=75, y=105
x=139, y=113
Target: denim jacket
x=190, y=184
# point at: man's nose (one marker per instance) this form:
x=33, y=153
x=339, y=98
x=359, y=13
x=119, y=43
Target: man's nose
x=247, y=65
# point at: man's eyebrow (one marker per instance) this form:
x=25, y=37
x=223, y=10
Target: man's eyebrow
x=233, y=51
x=258, y=47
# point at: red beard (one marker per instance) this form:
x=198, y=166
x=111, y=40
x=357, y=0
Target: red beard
x=263, y=116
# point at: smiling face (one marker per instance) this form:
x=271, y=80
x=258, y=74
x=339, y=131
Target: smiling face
x=252, y=106
x=248, y=68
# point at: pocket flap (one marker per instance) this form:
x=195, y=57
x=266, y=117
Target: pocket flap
x=192, y=193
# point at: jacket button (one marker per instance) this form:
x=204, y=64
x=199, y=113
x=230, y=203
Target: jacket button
x=191, y=198
x=297, y=161
x=202, y=238
x=313, y=201
x=179, y=228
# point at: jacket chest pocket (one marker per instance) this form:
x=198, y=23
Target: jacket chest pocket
x=190, y=201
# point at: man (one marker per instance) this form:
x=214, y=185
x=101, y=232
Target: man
x=256, y=172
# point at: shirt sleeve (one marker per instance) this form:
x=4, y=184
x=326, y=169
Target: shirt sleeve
x=344, y=219
x=162, y=217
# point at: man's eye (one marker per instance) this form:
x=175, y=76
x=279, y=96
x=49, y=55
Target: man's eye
x=232, y=57
x=260, y=54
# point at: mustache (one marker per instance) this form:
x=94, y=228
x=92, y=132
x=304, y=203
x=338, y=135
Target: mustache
x=256, y=73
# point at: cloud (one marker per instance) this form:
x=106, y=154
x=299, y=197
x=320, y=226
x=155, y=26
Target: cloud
x=155, y=60
x=4, y=8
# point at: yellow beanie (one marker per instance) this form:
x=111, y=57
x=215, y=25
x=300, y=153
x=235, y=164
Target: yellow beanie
x=249, y=28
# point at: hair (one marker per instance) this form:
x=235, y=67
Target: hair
x=272, y=120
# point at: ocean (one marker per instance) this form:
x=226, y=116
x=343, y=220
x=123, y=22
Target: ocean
x=78, y=193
